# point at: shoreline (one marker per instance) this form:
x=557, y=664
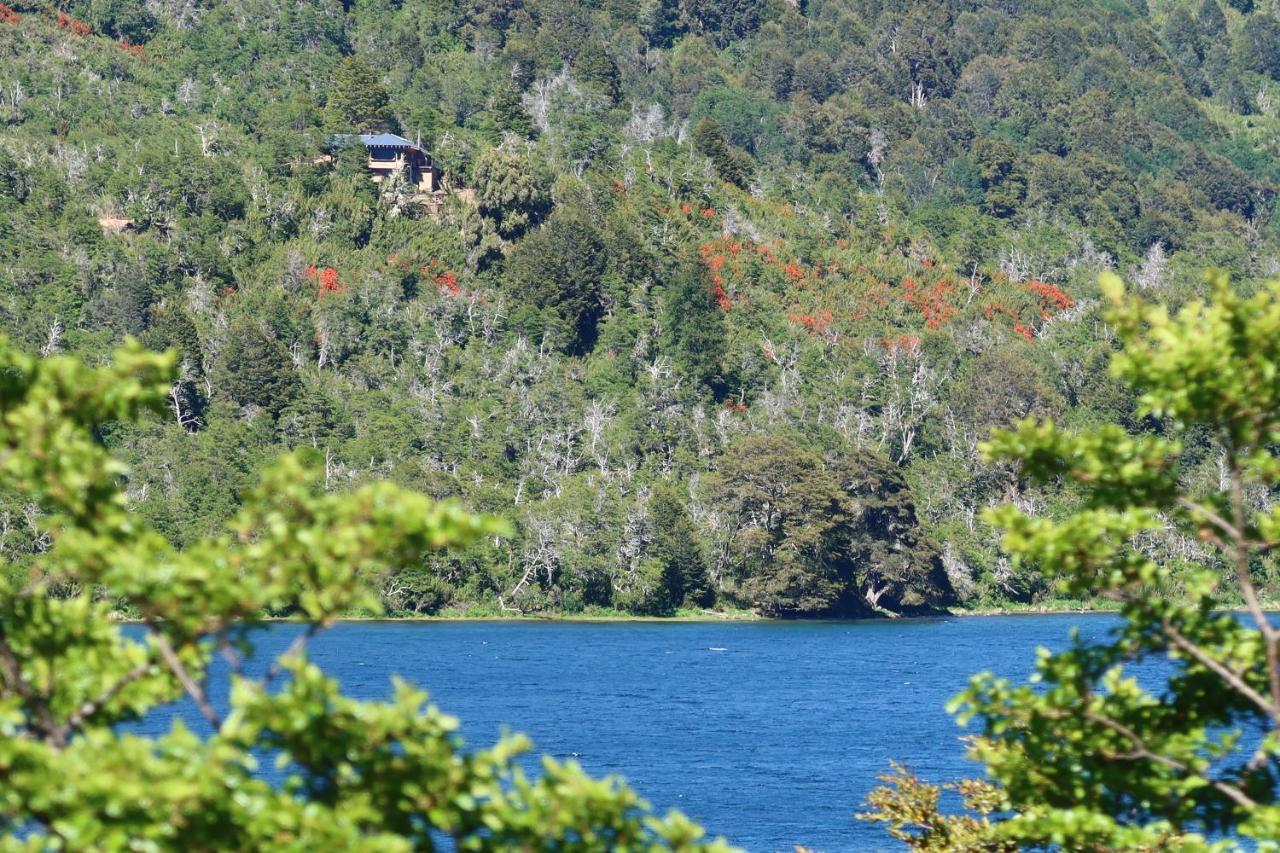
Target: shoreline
x=708, y=617
x=711, y=616
x=705, y=617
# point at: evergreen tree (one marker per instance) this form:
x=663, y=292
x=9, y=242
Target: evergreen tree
x=1003, y=180
x=892, y=564
x=1213, y=23
x=693, y=328
x=556, y=271
x=510, y=191
x=788, y=511
x=509, y=112
x=675, y=548
x=314, y=419
x=357, y=100
x=594, y=67
x=826, y=538
x=724, y=20
x=123, y=19
x=257, y=370
x=171, y=328
x=658, y=20
x=1184, y=35
x=732, y=164
x=1260, y=47
x=488, y=18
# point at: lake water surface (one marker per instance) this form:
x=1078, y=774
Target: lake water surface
x=771, y=734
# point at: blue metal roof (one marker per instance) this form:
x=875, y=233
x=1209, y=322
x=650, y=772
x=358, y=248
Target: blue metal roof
x=390, y=140
x=372, y=140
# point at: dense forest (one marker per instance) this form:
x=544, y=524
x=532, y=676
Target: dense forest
x=719, y=300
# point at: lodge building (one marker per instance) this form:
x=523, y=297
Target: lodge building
x=389, y=153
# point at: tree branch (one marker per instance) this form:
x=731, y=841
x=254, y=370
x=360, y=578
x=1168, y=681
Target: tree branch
x=299, y=643
x=88, y=709
x=1141, y=751
x=194, y=690
x=39, y=704
x=1270, y=636
x=1214, y=518
x=1224, y=672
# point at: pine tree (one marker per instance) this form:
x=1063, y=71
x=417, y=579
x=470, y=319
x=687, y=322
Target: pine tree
x=171, y=328
x=693, y=328
x=357, y=99
x=509, y=191
x=556, y=272
x=732, y=164
x=1213, y=24
x=257, y=370
x=508, y=111
x=675, y=548
x=1003, y=179
x=594, y=67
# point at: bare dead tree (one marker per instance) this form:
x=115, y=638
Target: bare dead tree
x=53, y=339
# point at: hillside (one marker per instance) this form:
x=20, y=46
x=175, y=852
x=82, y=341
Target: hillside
x=720, y=297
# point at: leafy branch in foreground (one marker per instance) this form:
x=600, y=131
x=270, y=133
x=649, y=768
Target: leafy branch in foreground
x=1183, y=754
x=367, y=775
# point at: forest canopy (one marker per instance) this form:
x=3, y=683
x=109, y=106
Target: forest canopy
x=856, y=234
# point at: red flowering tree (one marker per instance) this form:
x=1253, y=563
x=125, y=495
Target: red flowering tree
x=326, y=279
x=1033, y=302
x=445, y=280
x=74, y=26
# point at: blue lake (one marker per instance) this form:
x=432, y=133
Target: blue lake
x=772, y=742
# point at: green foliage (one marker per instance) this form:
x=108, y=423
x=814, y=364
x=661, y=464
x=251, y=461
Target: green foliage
x=512, y=195
x=510, y=191
x=874, y=225
x=792, y=512
x=1181, y=754
x=725, y=20
x=367, y=775
x=596, y=68
x=893, y=564
x=818, y=539
x=1260, y=46
x=357, y=101
x=130, y=21
x=557, y=273
x=675, y=548
x=694, y=328
x=732, y=164
x=909, y=807
x=1002, y=179
x=509, y=112
x=258, y=370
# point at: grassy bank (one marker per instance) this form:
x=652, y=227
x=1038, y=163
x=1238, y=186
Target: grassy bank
x=1049, y=606
x=599, y=616
x=700, y=615
x=482, y=614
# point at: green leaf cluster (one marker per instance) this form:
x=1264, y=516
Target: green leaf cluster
x=356, y=775
x=1165, y=735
